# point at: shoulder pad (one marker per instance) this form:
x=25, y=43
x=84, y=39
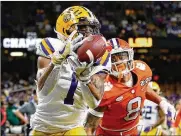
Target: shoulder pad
x=49, y=45
x=142, y=68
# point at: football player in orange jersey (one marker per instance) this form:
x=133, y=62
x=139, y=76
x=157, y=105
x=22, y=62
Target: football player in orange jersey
x=126, y=88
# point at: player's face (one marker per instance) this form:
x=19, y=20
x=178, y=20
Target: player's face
x=118, y=60
x=86, y=30
x=119, y=57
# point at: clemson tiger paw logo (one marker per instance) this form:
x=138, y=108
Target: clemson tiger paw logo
x=107, y=86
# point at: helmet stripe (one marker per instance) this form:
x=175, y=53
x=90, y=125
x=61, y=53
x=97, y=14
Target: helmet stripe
x=118, y=43
x=112, y=43
x=115, y=43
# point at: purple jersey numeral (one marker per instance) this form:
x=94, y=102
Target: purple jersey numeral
x=69, y=99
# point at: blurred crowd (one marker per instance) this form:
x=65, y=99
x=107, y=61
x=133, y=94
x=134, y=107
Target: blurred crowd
x=16, y=92
x=156, y=19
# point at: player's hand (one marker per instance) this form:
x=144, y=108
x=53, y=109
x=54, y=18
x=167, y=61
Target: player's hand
x=58, y=56
x=167, y=107
x=76, y=40
x=172, y=111
x=147, y=129
x=83, y=72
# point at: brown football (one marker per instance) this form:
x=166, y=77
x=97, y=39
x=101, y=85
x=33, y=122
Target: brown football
x=92, y=48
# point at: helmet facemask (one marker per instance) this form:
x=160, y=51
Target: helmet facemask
x=122, y=61
x=87, y=27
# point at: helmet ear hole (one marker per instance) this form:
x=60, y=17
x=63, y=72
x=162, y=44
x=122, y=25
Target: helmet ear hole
x=68, y=32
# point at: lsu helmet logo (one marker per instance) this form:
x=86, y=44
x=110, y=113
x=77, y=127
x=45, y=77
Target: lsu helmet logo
x=66, y=18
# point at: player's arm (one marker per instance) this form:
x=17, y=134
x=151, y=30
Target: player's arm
x=163, y=104
x=93, y=119
x=45, y=65
x=94, y=90
x=19, y=113
x=96, y=85
x=21, y=116
x=44, y=69
x=152, y=95
x=161, y=118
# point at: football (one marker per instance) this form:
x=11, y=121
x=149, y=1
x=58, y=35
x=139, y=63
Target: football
x=92, y=48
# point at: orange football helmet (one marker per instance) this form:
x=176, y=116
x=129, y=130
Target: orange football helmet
x=121, y=56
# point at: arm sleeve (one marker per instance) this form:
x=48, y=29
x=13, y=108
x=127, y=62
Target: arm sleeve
x=48, y=46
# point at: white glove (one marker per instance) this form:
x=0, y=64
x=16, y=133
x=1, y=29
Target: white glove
x=58, y=56
x=166, y=107
x=83, y=72
x=171, y=108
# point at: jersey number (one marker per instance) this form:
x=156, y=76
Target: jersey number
x=69, y=99
x=147, y=112
x=133, y=113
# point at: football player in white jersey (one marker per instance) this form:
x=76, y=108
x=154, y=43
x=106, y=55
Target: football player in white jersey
x=153, y=117
x=64, y=91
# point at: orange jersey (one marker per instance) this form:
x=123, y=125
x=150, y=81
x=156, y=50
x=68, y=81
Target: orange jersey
x=124, y=103
x=178, y=119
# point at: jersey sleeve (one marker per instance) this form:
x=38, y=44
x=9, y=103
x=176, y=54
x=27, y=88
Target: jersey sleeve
x=48, y=46
x=143, y=71
x=143, y=68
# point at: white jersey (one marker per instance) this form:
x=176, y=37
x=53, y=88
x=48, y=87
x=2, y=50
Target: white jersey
x=150, y=113
x=62, y=102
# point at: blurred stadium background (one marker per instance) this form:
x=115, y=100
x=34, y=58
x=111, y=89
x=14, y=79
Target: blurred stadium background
x=152, y=28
